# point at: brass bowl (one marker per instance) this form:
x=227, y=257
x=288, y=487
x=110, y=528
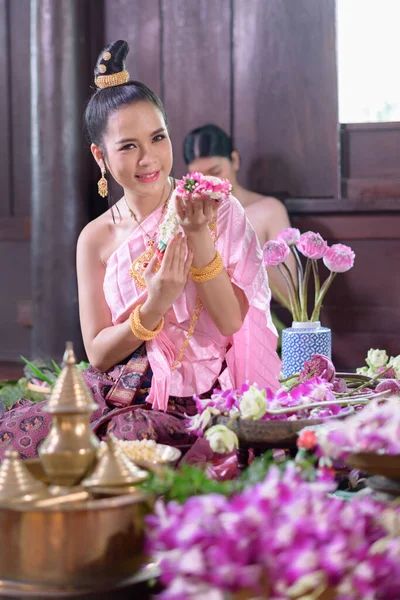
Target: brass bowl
x=266, y=435
x=73, y=544
x=386, y=465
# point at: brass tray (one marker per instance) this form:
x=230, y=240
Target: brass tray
x=15, y=589
x=268, y=434
x=385, y=465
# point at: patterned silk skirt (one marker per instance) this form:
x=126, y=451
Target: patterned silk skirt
x=122, y=408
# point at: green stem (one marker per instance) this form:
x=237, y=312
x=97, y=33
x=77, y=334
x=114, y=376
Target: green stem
x=293, y=299
x=289, y=378
x=300, y=271
x=280, y=297
x=317, y=283
x=304, y=291
x=302, y=380
x=367, y=383
x=292, y=281
x=322, y=294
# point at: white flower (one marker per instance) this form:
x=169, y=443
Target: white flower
x=221, y=439
x=376, y=358
x=170, y=225
x=253, y=404
x=362, y=371
x=395, y=364
x=201, y=420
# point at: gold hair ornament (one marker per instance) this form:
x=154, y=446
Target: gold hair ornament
x=106, y=81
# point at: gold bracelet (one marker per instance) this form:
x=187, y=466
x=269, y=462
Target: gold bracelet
x=137, y=328
x=208, y=272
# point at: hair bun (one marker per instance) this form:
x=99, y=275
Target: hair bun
x=110, y=66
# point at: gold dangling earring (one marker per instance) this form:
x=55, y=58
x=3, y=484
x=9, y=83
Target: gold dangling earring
x=102, y=183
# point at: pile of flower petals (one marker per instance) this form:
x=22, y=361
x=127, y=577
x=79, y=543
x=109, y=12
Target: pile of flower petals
x=375, y=428
x=251, y=403
x=281, y=539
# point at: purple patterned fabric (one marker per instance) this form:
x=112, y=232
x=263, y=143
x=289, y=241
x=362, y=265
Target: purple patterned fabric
x=122, y=408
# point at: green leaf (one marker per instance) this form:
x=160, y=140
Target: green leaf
x=39, y=374
x=83, y=365
x=56, y=367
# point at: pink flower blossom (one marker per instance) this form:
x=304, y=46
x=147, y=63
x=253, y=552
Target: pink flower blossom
x=319, y=366
x=339, y=258
x=283, y=533
x=375, y=428
x=339, y=386
x=275, y=252
x=307, y=439
x=391, y=385
x=312, y=245
x=291, y=236
x=204, y=185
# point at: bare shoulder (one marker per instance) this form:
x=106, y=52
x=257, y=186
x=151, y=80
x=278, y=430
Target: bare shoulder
x=265, y=205
x=97, y=236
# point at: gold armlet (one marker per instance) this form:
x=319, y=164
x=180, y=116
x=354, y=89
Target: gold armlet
x=137, y=328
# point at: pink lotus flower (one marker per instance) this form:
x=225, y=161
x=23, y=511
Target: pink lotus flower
x=319, y=366
x=291, y=236
x=312, y=245
x=339, y=258
x=275, y=252
x=391, y=385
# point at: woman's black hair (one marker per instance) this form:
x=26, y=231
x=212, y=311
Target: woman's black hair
x=106, y=101
x=208, y=140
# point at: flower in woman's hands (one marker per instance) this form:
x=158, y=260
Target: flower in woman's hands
x=221, y=439
x=312, y=245
x=291, y=236
x=253, y=404
x=339, y=258
x=275, y=252
x=204, y=185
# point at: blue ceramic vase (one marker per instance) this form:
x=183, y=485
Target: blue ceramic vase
x=300, y=342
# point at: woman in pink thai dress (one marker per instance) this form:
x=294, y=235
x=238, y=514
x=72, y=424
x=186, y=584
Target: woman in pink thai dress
x=157, y=333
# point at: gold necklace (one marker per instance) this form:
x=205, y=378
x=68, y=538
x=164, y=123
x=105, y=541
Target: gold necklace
x=134, y=217
x=140, y=263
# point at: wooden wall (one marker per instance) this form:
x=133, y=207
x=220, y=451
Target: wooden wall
x=255, y=68
x=15, y=287
x=265, y=70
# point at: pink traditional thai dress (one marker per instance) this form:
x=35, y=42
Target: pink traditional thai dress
x=149, y=395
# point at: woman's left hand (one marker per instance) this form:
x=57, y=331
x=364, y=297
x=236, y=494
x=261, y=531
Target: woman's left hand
x=194, y=215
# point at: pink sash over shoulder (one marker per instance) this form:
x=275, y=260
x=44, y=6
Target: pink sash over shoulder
x=250, y=354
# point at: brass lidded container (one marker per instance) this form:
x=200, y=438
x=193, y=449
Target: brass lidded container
x=69, y=451
x=16, y=482
x=113, y=469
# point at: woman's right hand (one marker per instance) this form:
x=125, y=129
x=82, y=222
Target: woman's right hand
x=165, y=285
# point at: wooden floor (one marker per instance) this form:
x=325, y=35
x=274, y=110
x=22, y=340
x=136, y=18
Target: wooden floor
x=10, y=370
